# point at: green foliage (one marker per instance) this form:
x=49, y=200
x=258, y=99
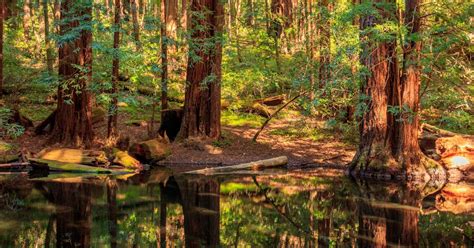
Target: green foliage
x=8, y=129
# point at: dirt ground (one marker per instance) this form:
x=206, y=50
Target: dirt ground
x=235, y=147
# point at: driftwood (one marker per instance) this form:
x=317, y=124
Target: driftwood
x=274, y=114
x=257, y=165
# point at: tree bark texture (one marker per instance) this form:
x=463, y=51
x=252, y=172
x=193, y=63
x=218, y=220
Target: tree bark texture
x=203, y=81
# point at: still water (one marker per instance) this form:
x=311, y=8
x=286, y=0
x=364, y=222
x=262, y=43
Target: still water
x=298, y=209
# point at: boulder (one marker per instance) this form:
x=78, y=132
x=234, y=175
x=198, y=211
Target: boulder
x=150, y=151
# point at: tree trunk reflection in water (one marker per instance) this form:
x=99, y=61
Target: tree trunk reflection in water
x=386, y=224
x=201, y=211
x=73, y=212
x=112, y=209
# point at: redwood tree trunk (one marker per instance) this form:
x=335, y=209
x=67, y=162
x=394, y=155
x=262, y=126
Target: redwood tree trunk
x=27, y=19
x=203, y=89
x=374, y=149
x=136, y=25
x=49, y=52
x=324, y=30
x=73, y=123
x=389, y=127
x=409, y=151
x=2, y=17
x=113, y=114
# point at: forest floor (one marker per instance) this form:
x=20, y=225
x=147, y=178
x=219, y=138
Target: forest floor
x=284, y=136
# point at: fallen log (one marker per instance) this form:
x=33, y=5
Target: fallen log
x=256, y=108
x=271, y=101
x=55, y=166
x=256, y=165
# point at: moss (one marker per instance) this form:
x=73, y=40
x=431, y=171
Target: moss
x=67, y=167
x=235, y=119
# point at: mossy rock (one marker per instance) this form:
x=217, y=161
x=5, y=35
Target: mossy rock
x=150, y=150
x=124, y=159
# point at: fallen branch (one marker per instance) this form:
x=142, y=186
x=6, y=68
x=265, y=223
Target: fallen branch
x=257, y=165
x=436, y=130
x=274, y=114
x=13, y=165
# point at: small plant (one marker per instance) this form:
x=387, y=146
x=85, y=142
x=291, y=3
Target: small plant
x=8, y=129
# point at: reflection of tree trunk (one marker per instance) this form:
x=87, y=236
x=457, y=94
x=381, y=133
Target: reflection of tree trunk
x=162, y=217
x=49, y=230
x=201, y=212
x=112, y=208
x=324, y=224
x=74, y=215
x=379, y=226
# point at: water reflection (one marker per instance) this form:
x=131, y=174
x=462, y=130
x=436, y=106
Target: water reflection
x=158, y=209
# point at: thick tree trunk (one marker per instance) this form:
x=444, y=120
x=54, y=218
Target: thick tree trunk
x=113, y=111
x=374, y=148
x=2, y=17
x=203, y=88
x=388, y=144
x=409, y=151
x=73, y=122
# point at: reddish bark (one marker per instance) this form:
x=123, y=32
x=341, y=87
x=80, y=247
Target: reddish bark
x=113, y=114
x=73, y=122
x=203, y=90
x=389, y=139
x=2, y=17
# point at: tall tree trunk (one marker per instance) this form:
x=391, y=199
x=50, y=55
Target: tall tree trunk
x=136, y=25
x=374, y=149
x=27, y=19
x=57, y=14
x=49, y=51
x=2, y=17
x=409, y=151
x=389, y=139
x=113, y=111
x=164, y=56
x=324, y=28
x=73, y=122
x=202, y=107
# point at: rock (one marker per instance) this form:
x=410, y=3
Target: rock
x=150, y=150
x=76, y=156
x=124, y=159
x=171, y=123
